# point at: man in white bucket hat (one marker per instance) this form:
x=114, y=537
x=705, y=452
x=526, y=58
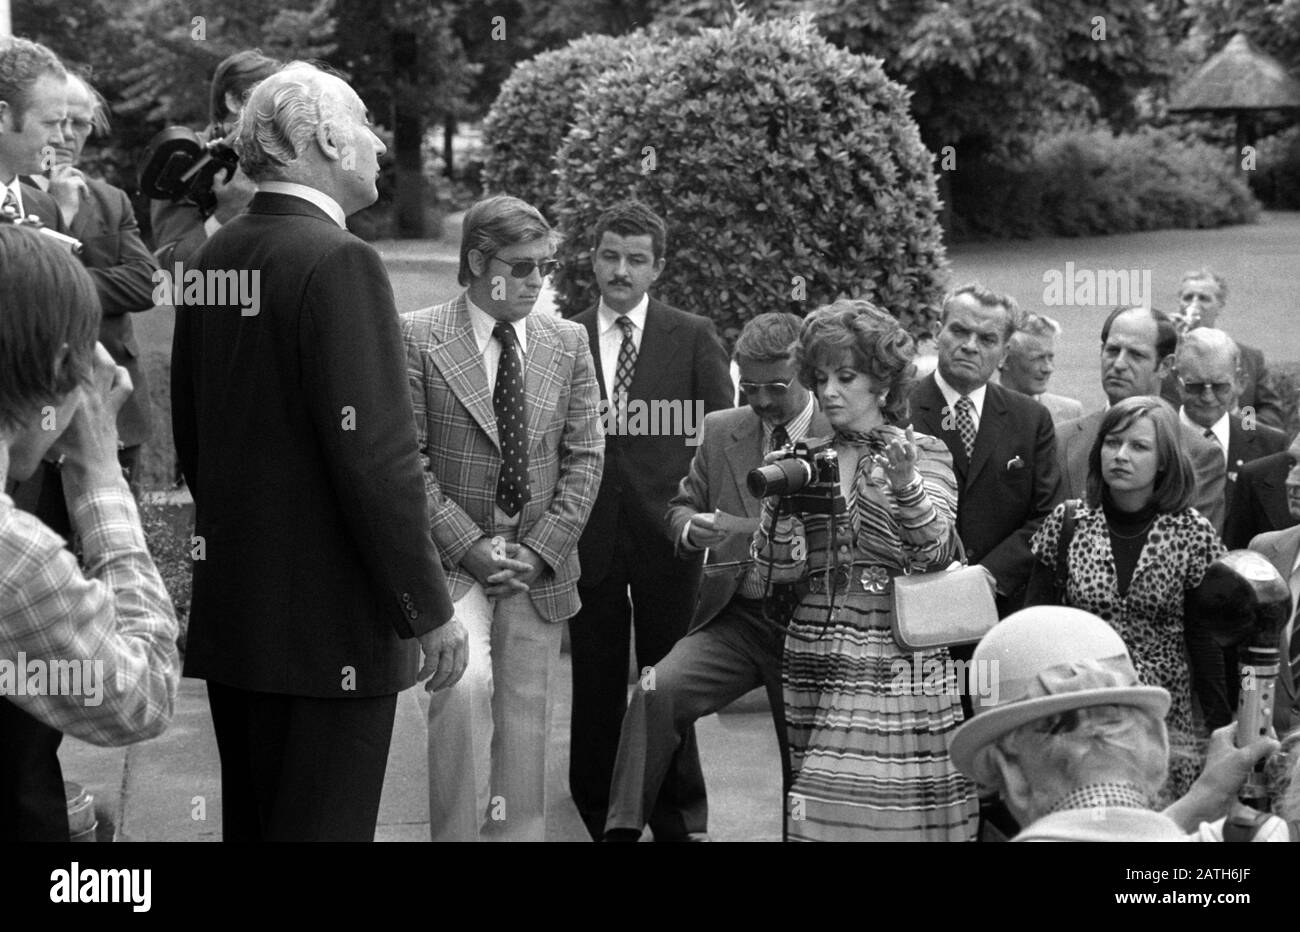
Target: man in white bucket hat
x=1074, y=744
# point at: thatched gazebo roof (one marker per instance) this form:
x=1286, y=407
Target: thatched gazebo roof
x=1240, y=77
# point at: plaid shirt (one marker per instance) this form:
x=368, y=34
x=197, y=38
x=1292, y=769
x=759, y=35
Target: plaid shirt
x=110, y=635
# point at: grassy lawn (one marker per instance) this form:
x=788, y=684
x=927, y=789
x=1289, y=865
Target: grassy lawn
x=1261, y=263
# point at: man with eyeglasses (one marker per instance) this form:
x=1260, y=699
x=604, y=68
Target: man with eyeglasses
x=100, y=217
x=1207, y=367
x=506, y=415
x=730, y=648
x=1137, y=352
x=1201, y=299
x=647, y=355
x=1207, y=370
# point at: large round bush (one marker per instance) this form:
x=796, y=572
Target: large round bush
x=789, y=173
x=534, y=110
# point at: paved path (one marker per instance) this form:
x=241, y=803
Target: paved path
x=169, y=789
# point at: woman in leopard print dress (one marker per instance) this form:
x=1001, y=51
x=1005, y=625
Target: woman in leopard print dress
x=1138, y=549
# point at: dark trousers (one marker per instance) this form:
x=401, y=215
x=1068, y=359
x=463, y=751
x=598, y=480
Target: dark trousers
x=705, y=671
x=296, y=768
x=32, y=803
x=661, y=604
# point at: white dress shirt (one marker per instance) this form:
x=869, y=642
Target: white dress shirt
x=319, y=198
x=483, y=324
x=611, y=337
x=950, y=396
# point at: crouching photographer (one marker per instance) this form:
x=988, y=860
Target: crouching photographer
x=93, y=656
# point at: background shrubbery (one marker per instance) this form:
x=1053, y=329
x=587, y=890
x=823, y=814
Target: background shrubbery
x=789, y=172
x=1082, y=183
x=535, y=110
x=1278, y=181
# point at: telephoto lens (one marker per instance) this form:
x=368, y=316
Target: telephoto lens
x=784, y=477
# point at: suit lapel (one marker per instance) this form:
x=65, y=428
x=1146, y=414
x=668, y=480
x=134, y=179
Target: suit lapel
x=1284, y=554
x=744, y=451
x=656, y=349
x=933, y=419
x=593, y=340
x=455, y=352
x=542, y=388
x=992, y=426
x=1078, y=447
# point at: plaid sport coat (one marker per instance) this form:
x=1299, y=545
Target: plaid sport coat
x=461, y=453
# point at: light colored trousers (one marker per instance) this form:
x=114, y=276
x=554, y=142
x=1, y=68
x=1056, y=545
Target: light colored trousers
x=487, y=734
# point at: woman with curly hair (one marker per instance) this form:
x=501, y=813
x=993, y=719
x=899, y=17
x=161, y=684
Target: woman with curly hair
x=869, y=751
x=1137, y=549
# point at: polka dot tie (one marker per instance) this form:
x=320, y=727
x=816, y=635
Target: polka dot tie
x=626, y=358
x=966, y=424
x=512, y=426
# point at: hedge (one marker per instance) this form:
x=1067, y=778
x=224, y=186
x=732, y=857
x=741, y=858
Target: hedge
x=1091, y=182
x=534, y=110
x=789, y=173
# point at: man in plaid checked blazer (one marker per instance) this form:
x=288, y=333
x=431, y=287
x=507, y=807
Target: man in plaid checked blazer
x=506, y=415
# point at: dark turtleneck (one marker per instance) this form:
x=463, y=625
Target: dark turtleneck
x=1129, y=531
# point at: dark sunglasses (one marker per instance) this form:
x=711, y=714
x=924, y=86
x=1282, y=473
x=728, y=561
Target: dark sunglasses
x=1196, y=389
x=524, y=267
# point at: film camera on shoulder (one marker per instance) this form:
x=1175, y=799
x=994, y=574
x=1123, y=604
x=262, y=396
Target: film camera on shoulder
x=179, y=165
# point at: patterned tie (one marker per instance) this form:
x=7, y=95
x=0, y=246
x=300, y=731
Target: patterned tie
x=626, y=359
x=780, y=437
x=10, y=205
x=966, y=424
x=1211, y=435
x=512, y=426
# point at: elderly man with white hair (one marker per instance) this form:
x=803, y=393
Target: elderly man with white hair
x=1075, y=745
x=1029, y=364
x=315, y=572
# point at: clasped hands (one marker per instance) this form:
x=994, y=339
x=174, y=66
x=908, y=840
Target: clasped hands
x=502, y=568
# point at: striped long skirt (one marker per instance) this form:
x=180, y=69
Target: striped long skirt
x=869, y=728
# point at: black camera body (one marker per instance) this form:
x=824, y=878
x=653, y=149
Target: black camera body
x=178, y=165
x=806, y=478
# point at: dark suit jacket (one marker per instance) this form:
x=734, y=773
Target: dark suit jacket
x=1246, y=446
x=1259, y=501
x=296, y=435
x=1280, y=547
x=1257, y=391
x=1000, y=501
x=123, y=269
x=680, y=360
x=732, y=445
x=1075, y=440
